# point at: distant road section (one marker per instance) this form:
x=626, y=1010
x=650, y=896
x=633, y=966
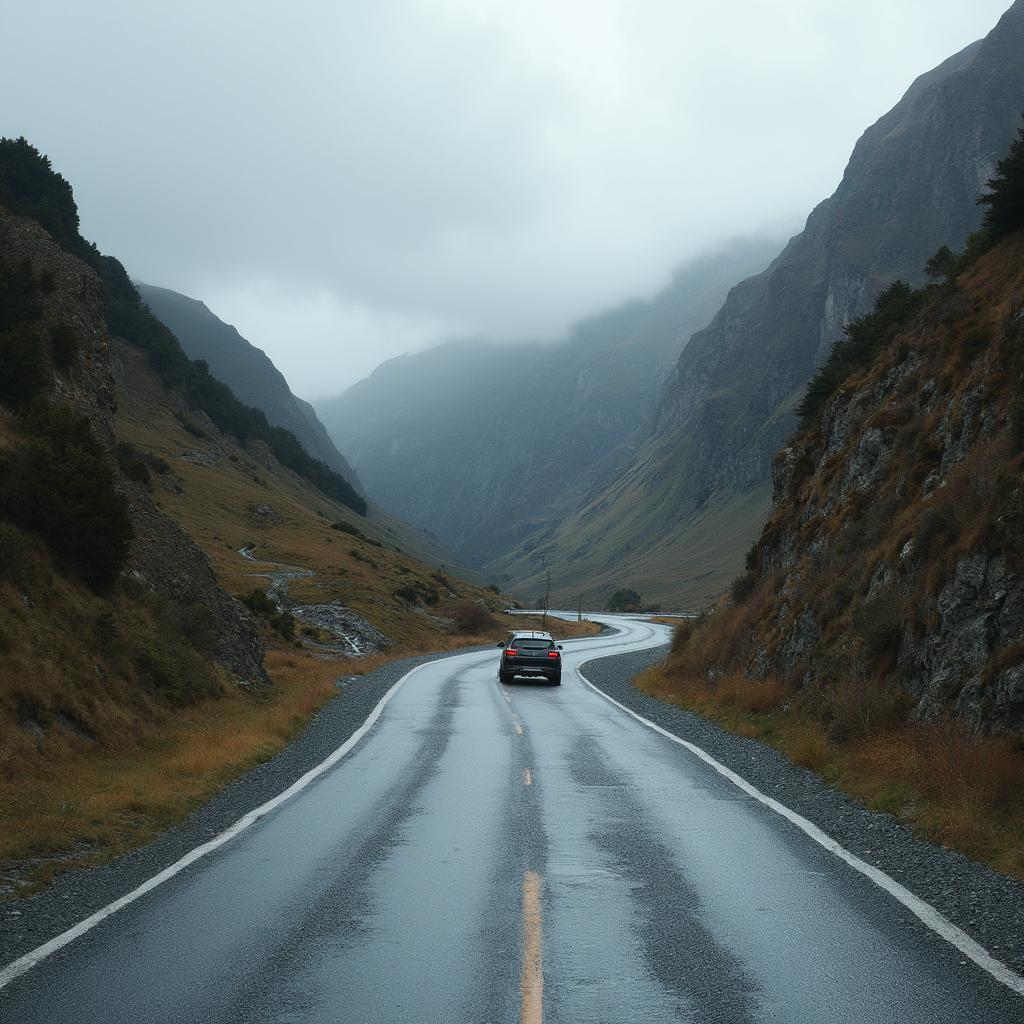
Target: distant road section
x=513, y=853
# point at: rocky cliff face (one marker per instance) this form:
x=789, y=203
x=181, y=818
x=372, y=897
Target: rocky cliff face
x=162, y=559
x=894, y=555
x=911, y=186
x=247, y=370
x=481, y=444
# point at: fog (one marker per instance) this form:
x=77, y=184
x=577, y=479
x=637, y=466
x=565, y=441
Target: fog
x=345, y=181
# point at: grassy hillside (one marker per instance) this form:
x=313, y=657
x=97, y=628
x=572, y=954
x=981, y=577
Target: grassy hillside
x=630, y=537
x=228, y=497
x=245, y=369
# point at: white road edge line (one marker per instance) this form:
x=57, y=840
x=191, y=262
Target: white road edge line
x=30, y=959
x=925, y=912
x=27, y=961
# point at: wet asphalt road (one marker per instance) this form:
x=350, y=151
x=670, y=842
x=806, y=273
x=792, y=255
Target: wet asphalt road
x=498, y=853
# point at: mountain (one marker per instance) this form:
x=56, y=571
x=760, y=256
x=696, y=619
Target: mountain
x=247, y=370
x=891, y=570
x=676, y=522
x=81, y=539
x=481, y=444
x=178, y=579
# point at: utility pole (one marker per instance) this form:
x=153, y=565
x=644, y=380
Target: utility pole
x=547, y=600
x=579, y=609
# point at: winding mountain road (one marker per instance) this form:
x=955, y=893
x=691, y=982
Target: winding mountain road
x=489, y=853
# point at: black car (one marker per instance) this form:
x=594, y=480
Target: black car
x=530, y=653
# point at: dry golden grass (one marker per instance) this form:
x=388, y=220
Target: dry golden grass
x=217, y=507
x=67, y=801
x=806, y=743
x=955, y=787
x=83, y=804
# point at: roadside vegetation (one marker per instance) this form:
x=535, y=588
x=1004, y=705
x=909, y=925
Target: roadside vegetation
x=84, y=778
x=950, y=784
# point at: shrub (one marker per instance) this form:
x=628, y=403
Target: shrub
x=879, y=624
x=955, y=763
x=132, y=464
x=60, y=486
x=624, y=600
x=681, y=635
x=24, y=364
x=859, y=707
x=865, y=337
x=258, y=602
x=1005, y=198
x=942, y=266
x=284, y=623
x=975, y=341
x=472, y=618
x=742, y=587
x=807, y=745
x=354, y=531
x=157, y=464
x=937, y=524
x=175, y=672
x=744, y=693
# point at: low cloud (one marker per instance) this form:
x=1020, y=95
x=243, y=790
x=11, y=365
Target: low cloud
x=344, y=182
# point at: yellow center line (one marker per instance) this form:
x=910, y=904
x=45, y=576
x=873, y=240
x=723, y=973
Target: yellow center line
x=531, y=982
x=527, y=777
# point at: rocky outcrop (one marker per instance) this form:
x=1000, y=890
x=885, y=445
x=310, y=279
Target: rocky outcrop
x=163, y=559
x=895, y=552
x=911, y=186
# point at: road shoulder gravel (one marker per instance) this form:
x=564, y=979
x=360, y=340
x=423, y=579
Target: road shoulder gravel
x=985, y=904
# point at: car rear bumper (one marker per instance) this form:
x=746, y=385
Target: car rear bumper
x=535, y=671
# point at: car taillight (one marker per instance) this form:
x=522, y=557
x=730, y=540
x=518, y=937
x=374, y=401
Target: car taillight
x=510, y=652
x=552, y=654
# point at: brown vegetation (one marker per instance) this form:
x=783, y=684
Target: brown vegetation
x=953, y=785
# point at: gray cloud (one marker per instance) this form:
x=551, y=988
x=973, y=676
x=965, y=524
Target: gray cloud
x=345, y=181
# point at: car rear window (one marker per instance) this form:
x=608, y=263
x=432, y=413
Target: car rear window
x=531, y=644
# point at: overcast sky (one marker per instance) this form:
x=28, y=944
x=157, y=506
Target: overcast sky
x=344, y=181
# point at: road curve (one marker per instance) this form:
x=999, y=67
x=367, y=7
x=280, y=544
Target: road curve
x=492, y=853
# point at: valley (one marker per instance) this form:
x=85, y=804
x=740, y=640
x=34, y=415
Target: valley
x=497, y=624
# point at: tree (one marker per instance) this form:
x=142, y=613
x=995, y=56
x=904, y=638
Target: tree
x=1005, y=198
x=943, y=265
x=624, y=600
x=60, y=485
